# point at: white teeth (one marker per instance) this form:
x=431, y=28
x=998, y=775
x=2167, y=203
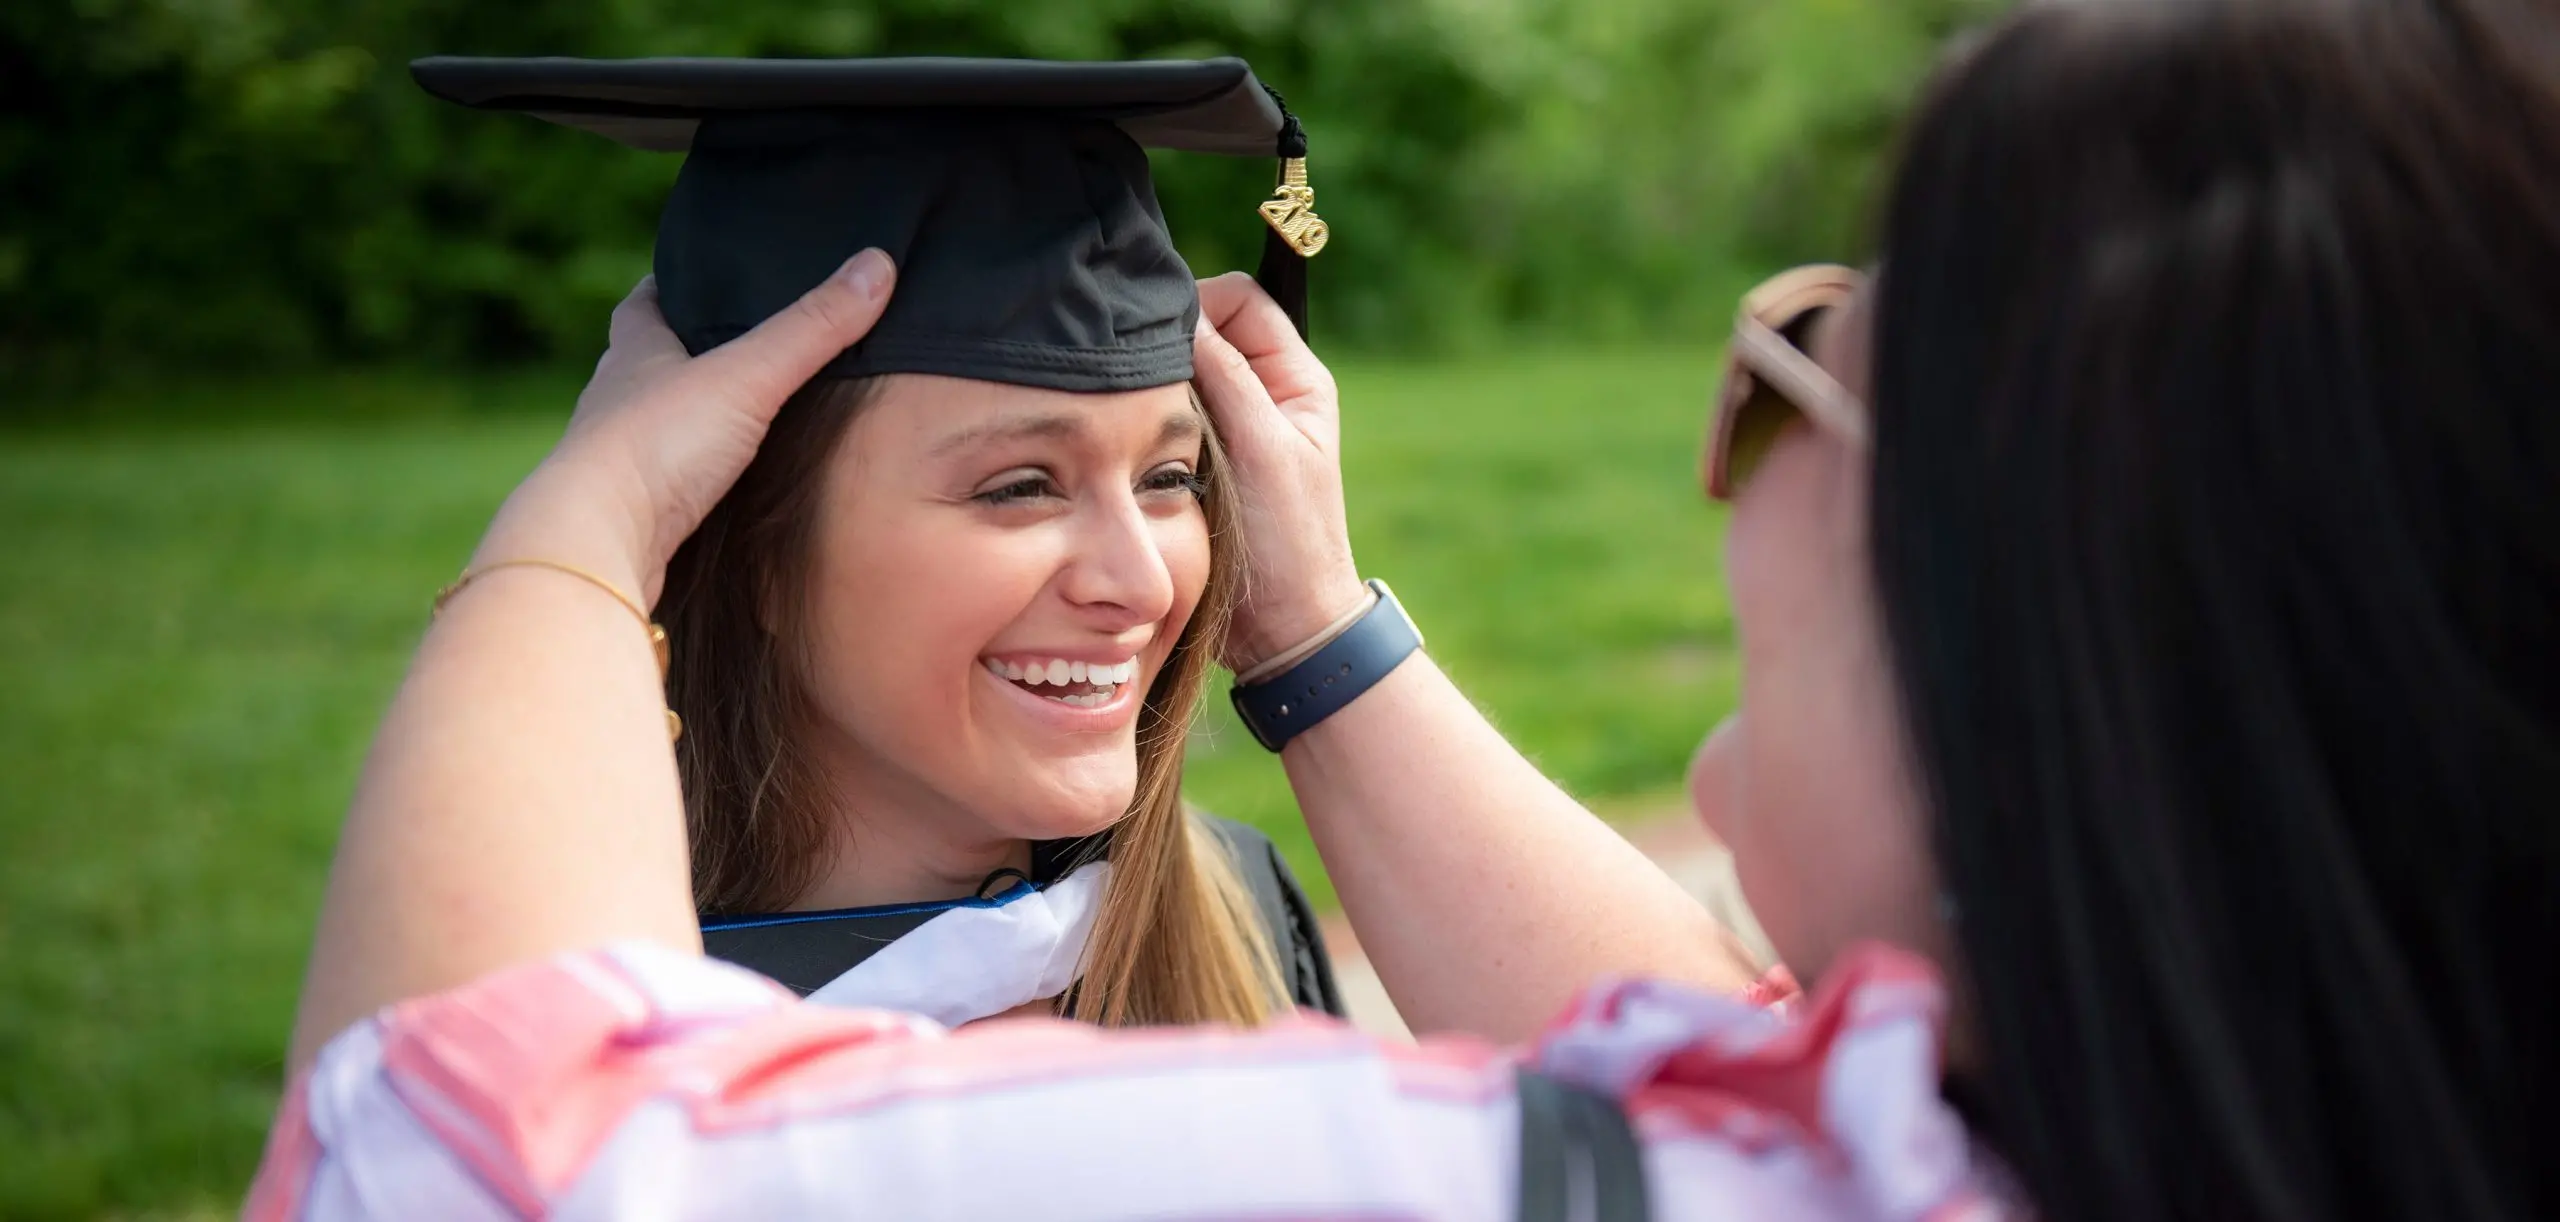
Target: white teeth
x=1059, y=672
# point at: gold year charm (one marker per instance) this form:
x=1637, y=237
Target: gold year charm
x=1291, y=210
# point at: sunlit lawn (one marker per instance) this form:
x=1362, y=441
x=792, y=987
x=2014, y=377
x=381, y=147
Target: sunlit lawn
x=198, y=625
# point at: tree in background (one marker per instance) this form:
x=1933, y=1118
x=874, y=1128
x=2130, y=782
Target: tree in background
x=189, y=186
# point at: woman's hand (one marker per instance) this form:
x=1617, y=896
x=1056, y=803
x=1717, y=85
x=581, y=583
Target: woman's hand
x=659, y=436
x=1276, y=412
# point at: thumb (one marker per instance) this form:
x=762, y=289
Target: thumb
x=1249, y=424
x=639, y=329
x=763, y=367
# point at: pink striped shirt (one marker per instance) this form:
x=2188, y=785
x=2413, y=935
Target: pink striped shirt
x=636, y=1083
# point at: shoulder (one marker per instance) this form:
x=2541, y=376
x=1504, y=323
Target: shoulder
x=1833, y=1096
x=1257, y=859
x=570, y=1087
x=558, y=1089
x=1243, y=840
x=1288, y=918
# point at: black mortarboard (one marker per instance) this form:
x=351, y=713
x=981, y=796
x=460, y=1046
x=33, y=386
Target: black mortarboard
x=1013, y=194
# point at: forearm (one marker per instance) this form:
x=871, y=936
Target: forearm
x=520, y=799
x=1483, y=894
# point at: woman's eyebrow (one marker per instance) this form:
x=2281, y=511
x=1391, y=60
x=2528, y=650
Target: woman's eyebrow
x=1184, y=425
x=1051, y=424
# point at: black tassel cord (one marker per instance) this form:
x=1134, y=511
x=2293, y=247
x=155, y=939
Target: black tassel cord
x=1283, y=271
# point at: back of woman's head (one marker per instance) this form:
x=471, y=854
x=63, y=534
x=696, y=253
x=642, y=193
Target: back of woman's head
x=2217, y=535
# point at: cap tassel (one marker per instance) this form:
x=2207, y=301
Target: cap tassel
x=1294, y=232
x=1283, y=274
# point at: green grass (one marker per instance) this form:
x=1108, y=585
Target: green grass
x=200, y=623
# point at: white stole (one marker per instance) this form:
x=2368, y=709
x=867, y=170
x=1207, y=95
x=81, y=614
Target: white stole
x=975, y=961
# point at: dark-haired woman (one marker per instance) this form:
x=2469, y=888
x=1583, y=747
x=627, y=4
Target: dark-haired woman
x=2146, y=594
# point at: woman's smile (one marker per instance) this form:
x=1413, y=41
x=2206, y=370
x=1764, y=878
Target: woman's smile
x=1087, y=694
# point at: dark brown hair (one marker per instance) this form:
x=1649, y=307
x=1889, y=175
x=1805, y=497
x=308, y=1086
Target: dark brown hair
x=2216, y=521
x=1178, y=939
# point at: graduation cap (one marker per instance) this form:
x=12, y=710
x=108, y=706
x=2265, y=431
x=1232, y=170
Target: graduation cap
x=1013, y=194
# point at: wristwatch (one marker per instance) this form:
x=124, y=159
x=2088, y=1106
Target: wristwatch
x=1287, y=704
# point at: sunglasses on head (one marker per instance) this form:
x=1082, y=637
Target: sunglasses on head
x=1770, y=377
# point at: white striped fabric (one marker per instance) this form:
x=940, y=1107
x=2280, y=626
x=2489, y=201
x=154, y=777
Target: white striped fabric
x=636, y=1083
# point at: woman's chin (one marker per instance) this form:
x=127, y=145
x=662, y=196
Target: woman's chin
x=1063, y=812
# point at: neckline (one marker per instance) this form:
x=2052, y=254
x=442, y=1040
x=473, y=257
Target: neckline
x=1051, y=860
x=754, y=920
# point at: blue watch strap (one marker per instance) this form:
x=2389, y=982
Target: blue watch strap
x=1286, y=704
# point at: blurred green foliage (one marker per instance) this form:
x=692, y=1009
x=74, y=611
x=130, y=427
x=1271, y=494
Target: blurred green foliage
x=197, y=185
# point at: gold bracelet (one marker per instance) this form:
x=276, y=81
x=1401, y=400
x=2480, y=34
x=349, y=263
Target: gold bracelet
x=657, y=634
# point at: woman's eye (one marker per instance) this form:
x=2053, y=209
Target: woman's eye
x=1176, y=479
x=1027, y=488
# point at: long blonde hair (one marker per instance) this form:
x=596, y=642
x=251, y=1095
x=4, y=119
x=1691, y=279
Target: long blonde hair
x=1178, y=939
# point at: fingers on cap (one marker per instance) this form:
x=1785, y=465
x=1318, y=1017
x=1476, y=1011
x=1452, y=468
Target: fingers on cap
x=1221, y=363
x=1221, y=297
x=1248, y=317
x=836, y=308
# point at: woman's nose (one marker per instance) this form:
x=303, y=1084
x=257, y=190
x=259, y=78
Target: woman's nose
x=1120, y=563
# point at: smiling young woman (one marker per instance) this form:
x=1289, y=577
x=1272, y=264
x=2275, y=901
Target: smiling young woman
x=838, y=623
x=937, y=653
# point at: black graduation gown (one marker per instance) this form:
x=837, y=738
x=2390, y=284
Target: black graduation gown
x=806, y=950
